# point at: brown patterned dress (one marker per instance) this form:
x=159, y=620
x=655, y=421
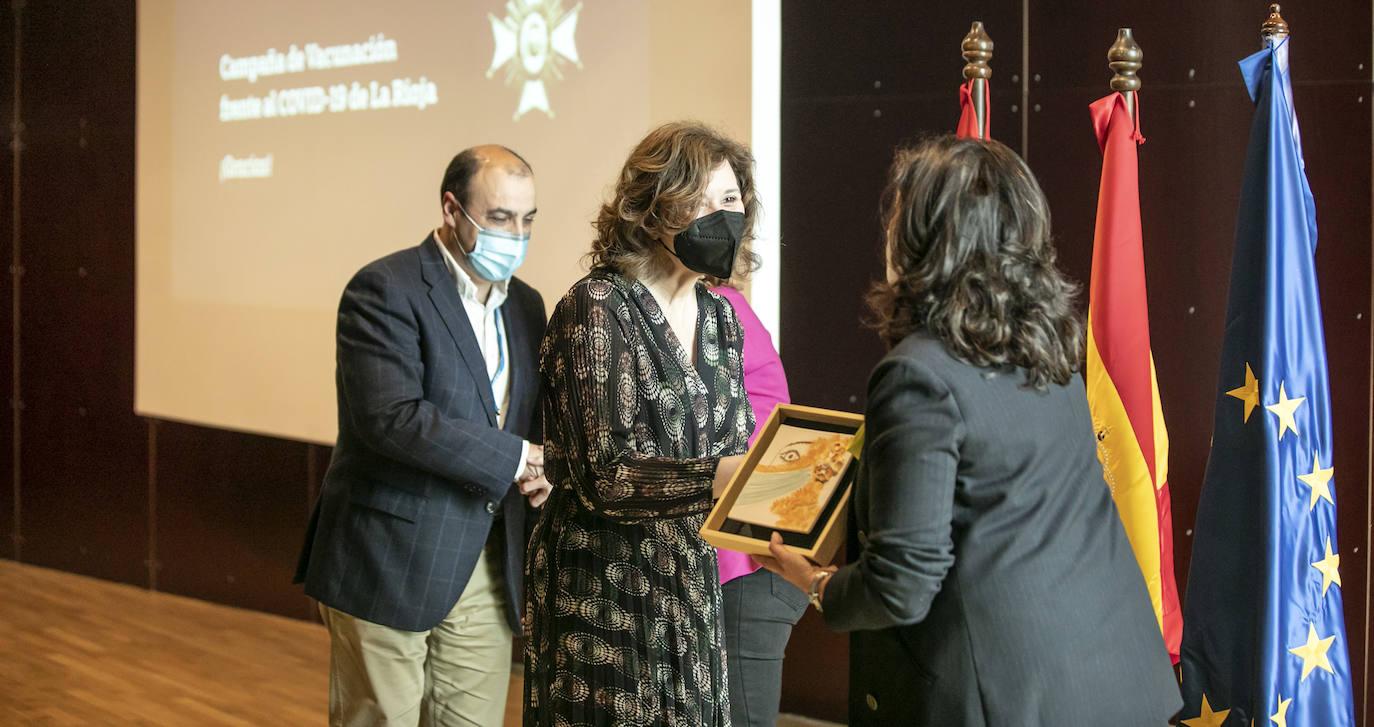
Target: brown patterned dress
x=623, y=599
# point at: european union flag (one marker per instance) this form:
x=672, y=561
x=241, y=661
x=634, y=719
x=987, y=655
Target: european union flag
x=1263, y=630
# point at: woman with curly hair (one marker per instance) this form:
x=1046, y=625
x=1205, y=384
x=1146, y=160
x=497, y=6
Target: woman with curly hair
x=645, y=419
x=994, y=584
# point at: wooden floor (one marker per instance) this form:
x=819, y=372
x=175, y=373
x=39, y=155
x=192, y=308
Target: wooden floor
x=84, y=652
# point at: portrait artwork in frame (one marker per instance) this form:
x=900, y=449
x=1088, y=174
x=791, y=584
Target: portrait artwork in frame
x=795, y=481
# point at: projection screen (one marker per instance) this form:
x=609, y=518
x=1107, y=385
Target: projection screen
x=281, y=146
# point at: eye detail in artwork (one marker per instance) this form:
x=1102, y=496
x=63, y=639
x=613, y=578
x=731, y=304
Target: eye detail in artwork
x=793, y=451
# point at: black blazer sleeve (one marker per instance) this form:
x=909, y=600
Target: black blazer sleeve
x=910, y=460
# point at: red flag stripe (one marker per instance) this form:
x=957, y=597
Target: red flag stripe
x=968, y=115
x=1117, y=289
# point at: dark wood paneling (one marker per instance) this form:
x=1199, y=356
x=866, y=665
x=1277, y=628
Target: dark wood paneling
x=855, y=86
x=317, y=462
x=84, y=465
x=231, y=513
x=7, y=522
x=839, y=50
x=830, y=240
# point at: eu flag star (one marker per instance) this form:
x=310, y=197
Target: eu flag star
x=1284, y=409
x=1313, y=653
x=1317, y=479
x=1248, y=393
x=1207, y=718
x=1329, y=567
x=1280, y=717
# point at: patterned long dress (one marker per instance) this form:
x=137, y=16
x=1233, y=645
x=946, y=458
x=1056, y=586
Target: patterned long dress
x=623, y=599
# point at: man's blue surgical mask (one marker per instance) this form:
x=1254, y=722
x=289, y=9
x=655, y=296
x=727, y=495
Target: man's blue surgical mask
x=497, y=254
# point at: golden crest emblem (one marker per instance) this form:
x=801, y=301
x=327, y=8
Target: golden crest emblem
x=532, y=44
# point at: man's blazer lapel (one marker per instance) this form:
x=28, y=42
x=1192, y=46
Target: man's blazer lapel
x=444, y=294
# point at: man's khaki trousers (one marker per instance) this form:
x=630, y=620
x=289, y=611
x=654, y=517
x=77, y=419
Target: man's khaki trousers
x=454, y=675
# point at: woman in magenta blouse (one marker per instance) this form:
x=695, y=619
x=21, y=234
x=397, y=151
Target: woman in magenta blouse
x=760, y=608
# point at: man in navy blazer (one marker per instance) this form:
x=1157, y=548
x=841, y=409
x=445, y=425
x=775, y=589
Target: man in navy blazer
x=416, y=547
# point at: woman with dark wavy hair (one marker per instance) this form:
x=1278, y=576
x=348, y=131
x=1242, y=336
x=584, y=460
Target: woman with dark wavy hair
x=645, y=419
x=995, y=584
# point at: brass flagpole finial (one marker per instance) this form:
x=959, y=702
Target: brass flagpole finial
x=1124, y=59
x=977, y=48
x=1274, y=28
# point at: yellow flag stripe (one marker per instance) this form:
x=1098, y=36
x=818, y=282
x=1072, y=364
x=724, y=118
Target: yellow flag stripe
x=1161, y=435
x=1126, y=472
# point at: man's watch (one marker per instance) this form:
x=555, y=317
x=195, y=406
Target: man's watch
x=813, y=594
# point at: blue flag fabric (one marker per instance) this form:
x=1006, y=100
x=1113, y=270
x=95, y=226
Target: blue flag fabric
x=1263, y=627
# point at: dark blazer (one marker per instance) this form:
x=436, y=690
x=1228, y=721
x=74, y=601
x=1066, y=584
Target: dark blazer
x=995, y=584
x=420, y=468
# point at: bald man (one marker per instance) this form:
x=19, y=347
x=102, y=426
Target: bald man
x=416, y=547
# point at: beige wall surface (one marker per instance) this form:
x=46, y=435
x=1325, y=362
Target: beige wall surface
x=238, y=278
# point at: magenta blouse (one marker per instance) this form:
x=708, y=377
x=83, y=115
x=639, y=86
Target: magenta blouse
x=766, y=384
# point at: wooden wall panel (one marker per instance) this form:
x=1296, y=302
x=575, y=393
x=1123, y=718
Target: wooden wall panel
x=84, y=465
x=856, y=84
x=837, y=50
x=7, y=221
x=231, y=511
x=317, y=463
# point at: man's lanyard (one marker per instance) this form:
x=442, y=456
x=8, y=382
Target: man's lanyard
x=500, y=362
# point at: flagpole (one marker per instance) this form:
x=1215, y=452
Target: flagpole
x=1124, y=59
x=1274, y=29
x=977, y=51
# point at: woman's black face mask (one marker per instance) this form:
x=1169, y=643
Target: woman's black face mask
x=708, y=245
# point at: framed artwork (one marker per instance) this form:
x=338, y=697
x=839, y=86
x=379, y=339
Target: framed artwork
x=795, y=481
